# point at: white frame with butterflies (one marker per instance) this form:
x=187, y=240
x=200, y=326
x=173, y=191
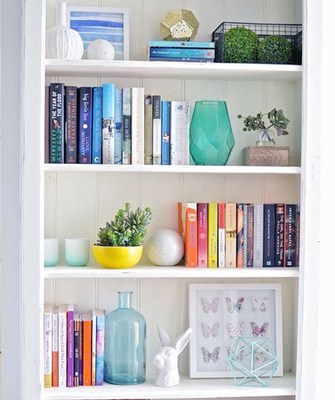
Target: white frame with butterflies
x=219, y=313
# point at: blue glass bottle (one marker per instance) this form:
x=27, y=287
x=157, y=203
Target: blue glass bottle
x=125, y=344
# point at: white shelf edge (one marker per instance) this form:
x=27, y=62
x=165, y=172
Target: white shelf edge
x=168, y=272
x=178, y=70
x=196, y=169
x=188, y=388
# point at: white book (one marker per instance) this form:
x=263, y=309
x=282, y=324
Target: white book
x=137, y=126
x=55, y=348
x=47, y=345
x=258, y=236
x=62, y=341
x=180, y=132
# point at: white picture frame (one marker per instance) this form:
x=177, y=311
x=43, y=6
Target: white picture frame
x=218, y=315
x=109, y=23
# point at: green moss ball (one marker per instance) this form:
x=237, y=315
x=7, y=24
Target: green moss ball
x=275, y=50
x=240, y=45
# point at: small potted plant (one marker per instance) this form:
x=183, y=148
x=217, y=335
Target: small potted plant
x=265, y=152
x=120, y=242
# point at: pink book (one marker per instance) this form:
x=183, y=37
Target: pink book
x=202, y=234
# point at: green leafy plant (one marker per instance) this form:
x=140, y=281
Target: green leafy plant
x=275, y=50
x=127, y=229
x=276, y=119
x=240, y=45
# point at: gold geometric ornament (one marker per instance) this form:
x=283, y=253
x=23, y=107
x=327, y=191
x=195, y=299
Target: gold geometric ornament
x=179, y=24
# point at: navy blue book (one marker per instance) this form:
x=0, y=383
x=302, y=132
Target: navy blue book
x=118, y=127
x=85, y=125
x=166, y=131
x=97, y=126
x=57, y=122
x=71, y=124
x=269, y=238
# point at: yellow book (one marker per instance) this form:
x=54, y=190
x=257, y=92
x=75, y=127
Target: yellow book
x=212, y=235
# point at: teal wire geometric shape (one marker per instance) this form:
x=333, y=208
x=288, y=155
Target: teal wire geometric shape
x=253, y=361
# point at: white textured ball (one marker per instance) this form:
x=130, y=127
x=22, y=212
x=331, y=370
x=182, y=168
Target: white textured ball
x=100, y=49
x=165, y=247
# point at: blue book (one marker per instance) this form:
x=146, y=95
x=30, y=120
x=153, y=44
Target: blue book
x=126, y=125
x=181, y=44
x=108, y=122
x=175, y=52
x=71, y=124
x=183, y=59
x=97, y=126
x=118, y=127
x=269, y=237
x=85, y=126
x=100, y=347
x=166, y=120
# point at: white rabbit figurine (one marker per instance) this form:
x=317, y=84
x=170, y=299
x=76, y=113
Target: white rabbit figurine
x=166, y=360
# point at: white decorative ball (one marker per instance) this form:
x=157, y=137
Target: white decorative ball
x=100, y=49
x=165, y=247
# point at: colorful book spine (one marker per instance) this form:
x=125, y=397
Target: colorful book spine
x=100, y=347
x=182, y=44
x=181, y=53
x=212, y=235
x=280, y=235
x=71, y=124
x=187, y=222
x=47, y=346
x=87, y=349
x=47, y=124
x=156, y=130
x=290, y=235
x=258, y=236
x=70, y=345
x=202, y=217
x=239, y=235
x=148, y=125
x=126, y=131
x=248, y=235
x=166, y=132
x=55, y=349
x=94, y=346
x=57, y=122
x=230, y=235
x=108, y=122
x=62, y=341
x=97, y=126
x=137, y=126
x=77, y=349
x=180, y=128
x=269, y=239
x=118, y=127
x=85, y=125
x=297, y=239
x=183, y=59
x=221, y=235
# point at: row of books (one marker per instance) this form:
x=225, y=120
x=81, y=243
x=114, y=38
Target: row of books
x=73, y=347
x=240, y=235
x=173, y=50
x=111, y=125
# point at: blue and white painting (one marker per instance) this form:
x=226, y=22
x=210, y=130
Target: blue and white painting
x=109, y=24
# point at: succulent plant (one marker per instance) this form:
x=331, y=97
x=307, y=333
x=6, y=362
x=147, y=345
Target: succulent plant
x=275, y=49
x=127, y=229
x=276, y=119
x=240, y=45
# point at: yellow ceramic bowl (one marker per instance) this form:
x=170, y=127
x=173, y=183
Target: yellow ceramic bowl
x=117, y=257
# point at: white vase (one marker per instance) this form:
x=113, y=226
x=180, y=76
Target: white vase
x=62, y=42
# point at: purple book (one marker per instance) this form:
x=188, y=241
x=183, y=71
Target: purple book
x=70, y=345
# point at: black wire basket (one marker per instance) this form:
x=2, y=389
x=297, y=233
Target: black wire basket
x=291, y=33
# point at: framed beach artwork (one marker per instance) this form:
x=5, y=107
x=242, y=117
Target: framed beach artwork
x=108, y=23
x=220, y=313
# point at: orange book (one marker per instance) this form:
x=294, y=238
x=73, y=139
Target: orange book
x=87, y=349
x=230, y=235
x=187, y=223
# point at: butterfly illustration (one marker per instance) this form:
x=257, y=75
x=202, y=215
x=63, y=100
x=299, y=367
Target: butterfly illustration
x=261, y=356
x=235, y=331
x=210, y=306
x=207, y=355
x=207, y=331
x=234, y=306
x=259, y=331
x=259, y=303
x=237, y=356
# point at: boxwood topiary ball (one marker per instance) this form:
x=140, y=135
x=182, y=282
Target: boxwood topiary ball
x=275, y=50
x=240, y=45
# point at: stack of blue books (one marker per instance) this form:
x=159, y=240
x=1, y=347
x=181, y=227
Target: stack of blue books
x=172, y=50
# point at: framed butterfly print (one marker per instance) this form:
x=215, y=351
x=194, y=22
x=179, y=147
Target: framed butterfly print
x=220, y=313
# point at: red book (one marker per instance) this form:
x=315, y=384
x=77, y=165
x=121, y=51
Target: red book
x=202, y=210
x=187, y=222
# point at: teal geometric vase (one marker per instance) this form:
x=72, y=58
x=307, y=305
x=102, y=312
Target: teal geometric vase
x=125, y=347
x=211, y=135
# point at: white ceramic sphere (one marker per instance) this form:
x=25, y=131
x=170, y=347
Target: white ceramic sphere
x=165, y=247
x=100, y=49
